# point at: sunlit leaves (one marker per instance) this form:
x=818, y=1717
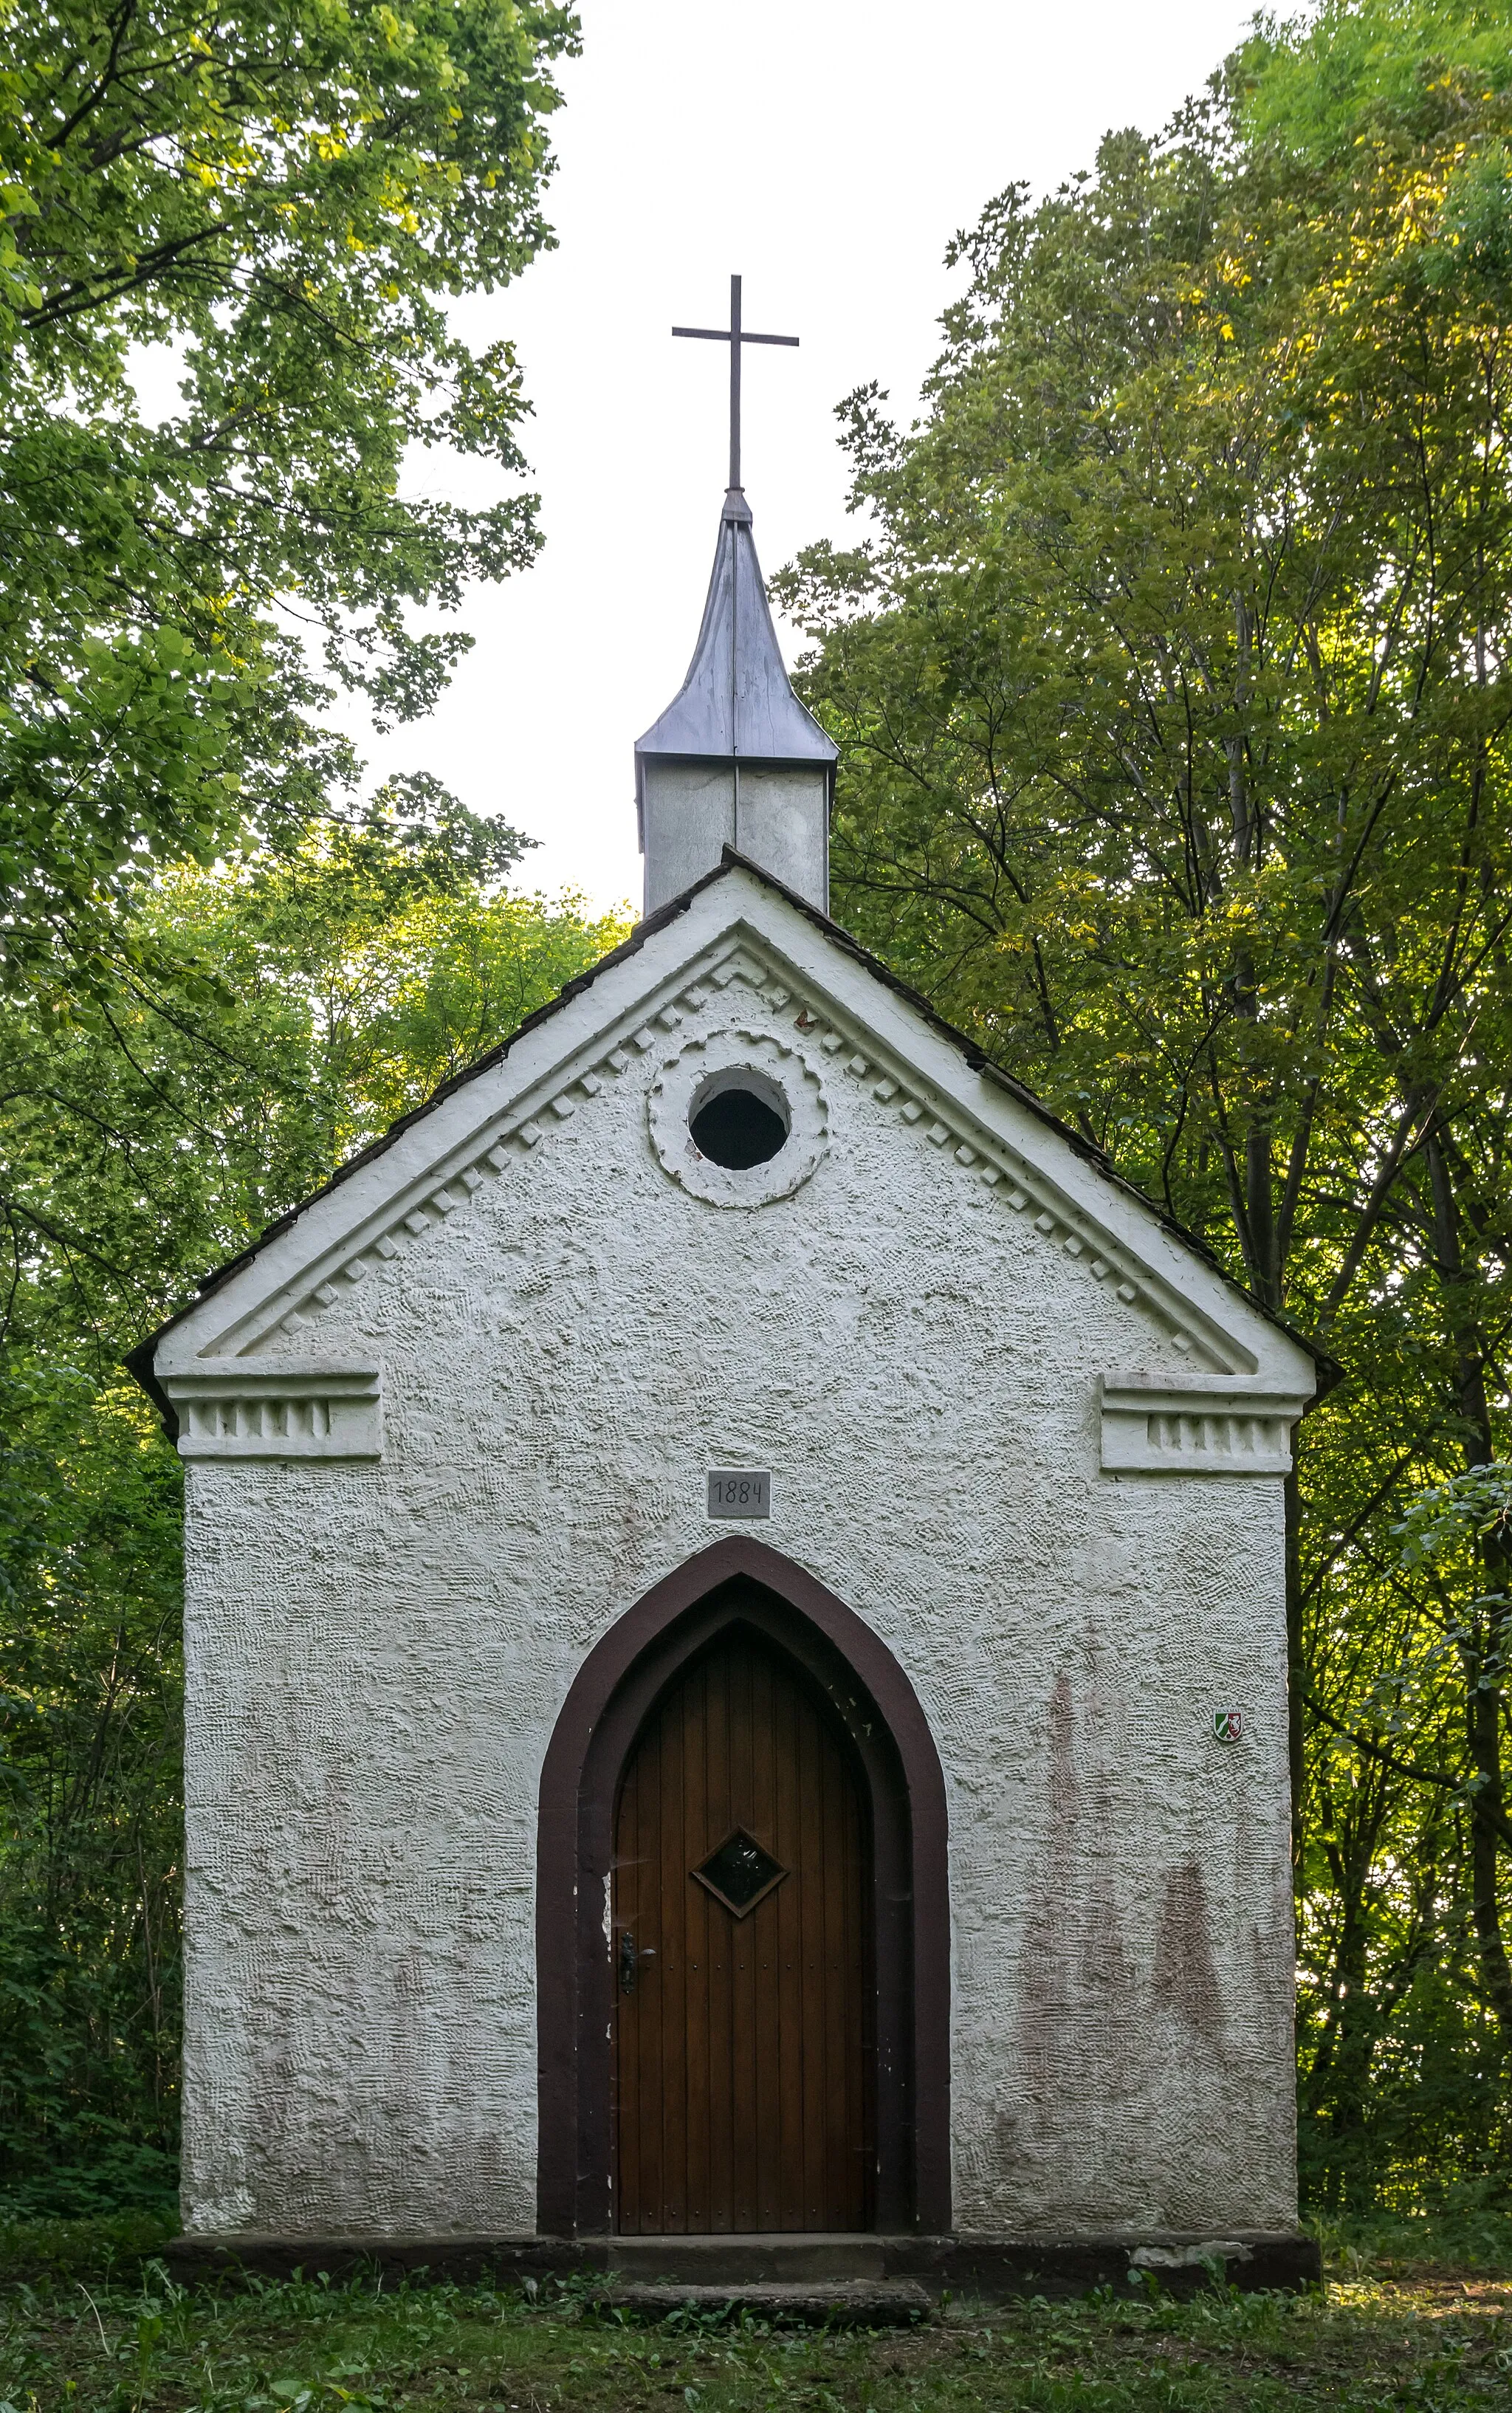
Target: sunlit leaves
x=286, y=192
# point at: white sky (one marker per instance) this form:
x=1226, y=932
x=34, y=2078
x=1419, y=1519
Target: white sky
x=827, y=150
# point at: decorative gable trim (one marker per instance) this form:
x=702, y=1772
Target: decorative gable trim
x=1216, y=1428
x=229, y=1407
x=966, y=1149
x=679, y=980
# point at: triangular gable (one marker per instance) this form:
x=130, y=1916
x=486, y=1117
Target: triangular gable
x=1208, y=1373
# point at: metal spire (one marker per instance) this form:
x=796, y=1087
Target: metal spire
x=736, y=703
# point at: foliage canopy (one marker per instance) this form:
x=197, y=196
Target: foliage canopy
x=287, y=193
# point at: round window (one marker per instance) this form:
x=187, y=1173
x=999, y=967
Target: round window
x=738, y=1119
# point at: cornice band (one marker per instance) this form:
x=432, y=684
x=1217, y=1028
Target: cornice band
x=1213, y=1427
x=229, y=1408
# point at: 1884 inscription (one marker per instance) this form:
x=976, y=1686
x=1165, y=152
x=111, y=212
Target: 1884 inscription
x=736, y=1492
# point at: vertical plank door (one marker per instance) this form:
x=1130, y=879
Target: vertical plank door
x=742, y=1943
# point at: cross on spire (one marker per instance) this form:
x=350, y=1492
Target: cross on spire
x=735, y=335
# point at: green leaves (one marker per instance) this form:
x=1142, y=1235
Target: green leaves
x=90, y=1510
x=285, y=192
x=284, y=1012
x=1456, y=1517
x=1404, y=69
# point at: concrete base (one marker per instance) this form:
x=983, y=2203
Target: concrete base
x=653, y=2273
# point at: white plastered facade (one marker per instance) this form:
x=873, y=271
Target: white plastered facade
x=452, y=1421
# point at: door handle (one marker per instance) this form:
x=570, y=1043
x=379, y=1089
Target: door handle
x=631, y=1959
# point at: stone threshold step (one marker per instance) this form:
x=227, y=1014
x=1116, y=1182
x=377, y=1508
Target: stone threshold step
x=851, y=2303
x=748, y=2256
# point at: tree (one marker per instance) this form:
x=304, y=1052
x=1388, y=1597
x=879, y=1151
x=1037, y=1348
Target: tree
x=1173, y=687
x=288, y=192
x=90, y=1849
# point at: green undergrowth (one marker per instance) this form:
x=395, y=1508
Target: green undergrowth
x=110, y=2246
x=310, y=2346
x=1468, y=2235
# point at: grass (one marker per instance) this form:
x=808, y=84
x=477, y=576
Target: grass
x=113, y=2335
x=109, y=2246
x=1467, y=2236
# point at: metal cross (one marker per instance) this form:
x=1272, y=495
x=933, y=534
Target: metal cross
x=735, y=335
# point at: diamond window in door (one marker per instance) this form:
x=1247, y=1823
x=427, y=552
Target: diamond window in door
x=740, y=1873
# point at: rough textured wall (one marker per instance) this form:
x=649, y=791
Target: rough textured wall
x=378, y=1654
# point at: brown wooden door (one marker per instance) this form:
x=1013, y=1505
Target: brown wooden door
x=742, y=1950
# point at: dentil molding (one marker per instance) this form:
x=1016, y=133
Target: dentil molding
x=233, y=1407
x=1217, y=1426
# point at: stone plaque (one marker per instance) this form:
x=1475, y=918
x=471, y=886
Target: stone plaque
x=735, y=1491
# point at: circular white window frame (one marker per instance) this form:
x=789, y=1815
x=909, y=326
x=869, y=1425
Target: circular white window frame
x=702, y=1068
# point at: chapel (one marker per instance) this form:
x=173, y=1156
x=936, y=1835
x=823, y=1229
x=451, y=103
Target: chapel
x=735, y=1634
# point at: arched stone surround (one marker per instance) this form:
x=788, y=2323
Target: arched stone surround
x=739, y=1580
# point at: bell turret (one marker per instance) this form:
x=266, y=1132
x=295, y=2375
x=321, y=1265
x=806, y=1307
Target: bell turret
x=735, y=760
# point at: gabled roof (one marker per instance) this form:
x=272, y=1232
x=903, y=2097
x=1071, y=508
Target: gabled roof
x=963, y=1049
x=736, y=702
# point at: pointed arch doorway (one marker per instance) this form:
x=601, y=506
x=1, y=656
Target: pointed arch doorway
x=741, y=1777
